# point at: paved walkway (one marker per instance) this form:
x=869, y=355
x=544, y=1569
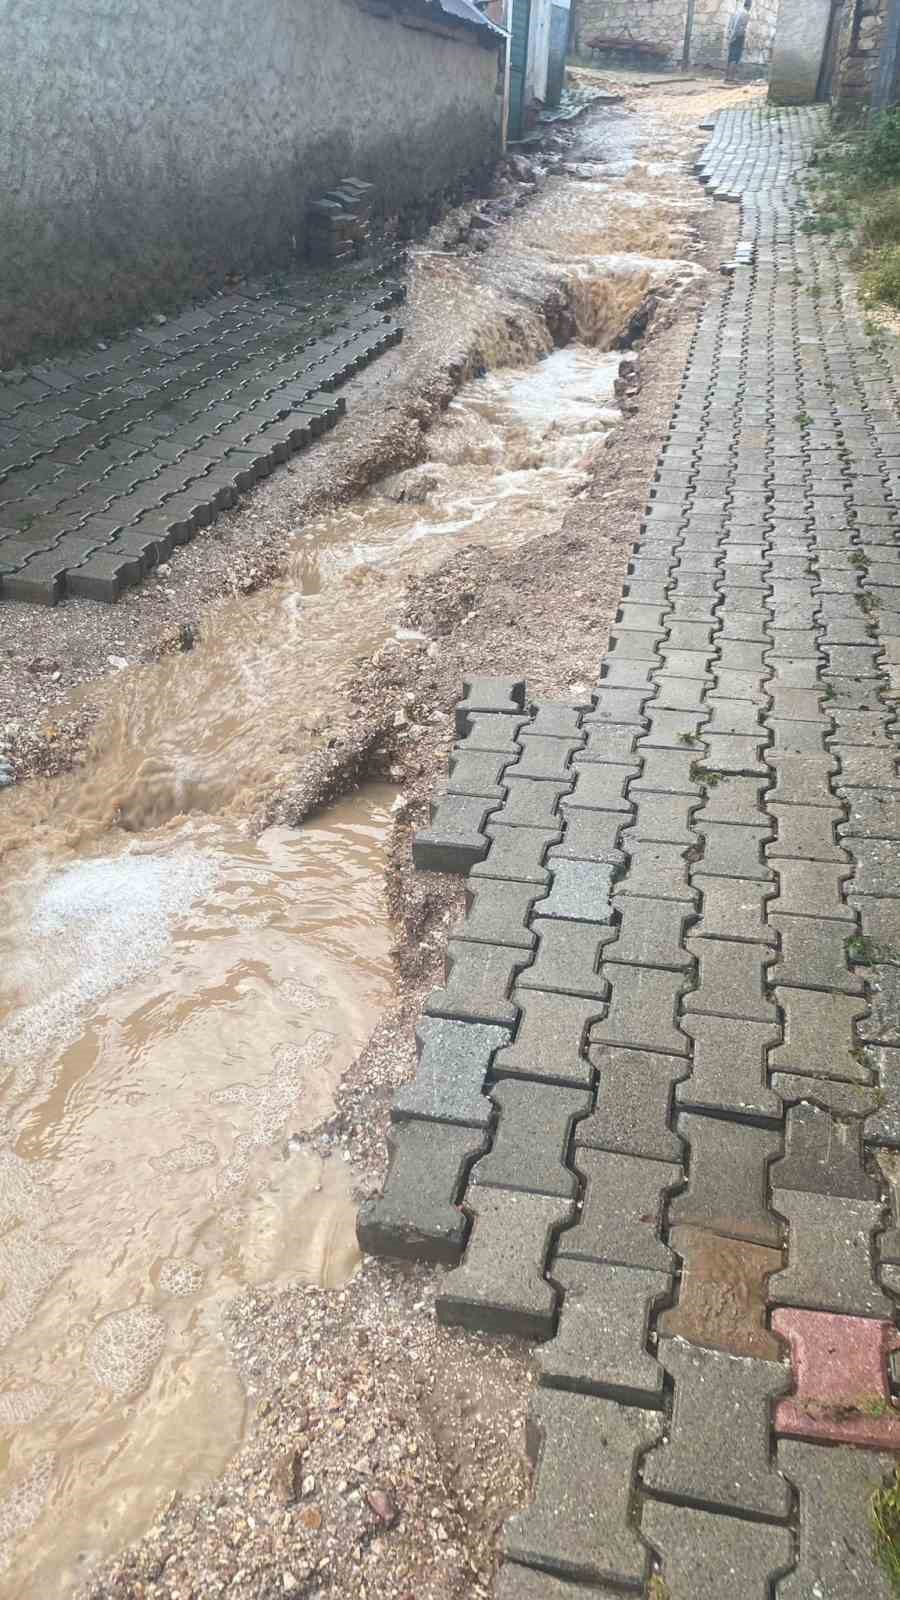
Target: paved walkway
x=112, y=456
x=663, y=1075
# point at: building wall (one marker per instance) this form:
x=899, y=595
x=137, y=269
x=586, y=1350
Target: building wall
x=801, y=34
x=858, y=57
x=662, y=22
x=538, y=52
x=148, y=146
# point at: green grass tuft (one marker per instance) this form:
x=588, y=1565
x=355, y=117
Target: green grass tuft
x=885, y=1513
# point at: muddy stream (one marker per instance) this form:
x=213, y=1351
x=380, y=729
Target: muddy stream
x=178, y=1000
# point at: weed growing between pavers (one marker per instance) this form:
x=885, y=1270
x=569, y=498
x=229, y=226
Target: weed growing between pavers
x=886, y=1528
x=856, y=189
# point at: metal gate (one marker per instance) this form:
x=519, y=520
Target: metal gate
x=518, y=61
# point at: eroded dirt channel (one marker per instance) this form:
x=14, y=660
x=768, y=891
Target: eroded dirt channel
x=179, y=998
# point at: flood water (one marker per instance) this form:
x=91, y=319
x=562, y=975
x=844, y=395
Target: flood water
x=178, y=1000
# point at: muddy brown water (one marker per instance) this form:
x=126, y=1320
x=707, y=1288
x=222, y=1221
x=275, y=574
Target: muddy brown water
x=178, y=1000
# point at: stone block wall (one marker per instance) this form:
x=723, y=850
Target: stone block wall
x=150, y=147
x=857, y=59
x=662, y=22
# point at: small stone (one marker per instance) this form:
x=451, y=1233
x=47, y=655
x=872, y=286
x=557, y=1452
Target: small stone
x=383, y=1506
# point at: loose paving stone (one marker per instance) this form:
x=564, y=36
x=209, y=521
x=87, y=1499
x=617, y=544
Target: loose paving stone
x=650, y=934
x=585, y=1452
x=729, y=1067
x=506, y=695
x=837, y=1555
x=732, y=980
x=722, y=1296
x=589, y=836
x=829, y=1254
x=840, y=1370
x=599, y=787
x=621, y=1218
x=823, y=1155
x=550, y=1039
x=717, y=1454
x=567, y=960
x=517, y=854
x=734, y=908
x=818, y=1036
x=580, y=892
x=709, y=1557
x=642, y=1008
x=500, y=1287
x=545, y=758
x=477, y=772
x=495, y=731
x=601, y=1342
x=727, y=1191
x=813, y=954
x=478, y=982
x=418, y=1216
x=529, y=803
x=532, y=1138
x=497, y=912
x=634, y=1101
x=454, y=1058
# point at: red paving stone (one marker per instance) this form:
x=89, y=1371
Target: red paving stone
x=839, y=1366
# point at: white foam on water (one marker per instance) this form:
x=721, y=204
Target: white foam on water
x=86, y=931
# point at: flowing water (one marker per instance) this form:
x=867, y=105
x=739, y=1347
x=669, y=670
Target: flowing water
x=178, y=1001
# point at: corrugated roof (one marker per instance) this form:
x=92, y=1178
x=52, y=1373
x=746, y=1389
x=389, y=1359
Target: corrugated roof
x=464, y=11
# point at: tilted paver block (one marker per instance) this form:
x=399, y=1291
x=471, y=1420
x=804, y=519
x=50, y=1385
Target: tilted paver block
x=722, y=1295
x=823, y=1155
x=477, y=772
x=454, y=1058
x=530, y=803
x=717, y=1454
x=650, y=933
x=567, y=959
x=634, y=1102
x=550, y=1039
x=478, y=983
x=585, y=1452
x=455, y=838
x=836, y=1547
x=829, y=1254
x=642, y=1007
x=727, y=1189
x=532, y=1138
x=813, y=955
x=589, y=836
x=706, y=1556
x=840, y=1367
x=517, y=853
x=599, y=787
x=489, y=694
x=732, y=978
x=601, y=1342
x=729, y=1067
x=500, y=1287
x=497, y=912
x=621, y=1218
x=417, y=1217
x=544, y=757
x=818, y=1036
x=494, y=731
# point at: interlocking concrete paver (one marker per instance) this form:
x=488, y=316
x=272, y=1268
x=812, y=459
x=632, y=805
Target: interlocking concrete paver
x=505, y=695
x=882, y=1025
x=813, y=954
x=727, y=1189
x=527, y=1583
x=544, y=757
x=497, y=912
x=418, y=1215
x=601, y=1343
x=840, y=1367
x=829, y=1254
x=882, y=1126
x=532, y=1137
x=500, y=1286
x=818, y=1036
x=823, y=1155
x=454, y=1058
x=529, y=803
x=722, y=1295
x=641, y=1013
x=732, y=980
x=634, y=1100
x=734, y=908
x=734, y=850
x=661, y=818
x=478, y=981
x=580, y=891
x=705, y=1556
x=589, y=836
x=567, y=959
x=729, y=1067
x=717, y=1454
x=811, y=889
x=836, y=1548
x=621, y=1219
x=550, y=1039
x=517, y=854
x=650, y=933
x=477, y=772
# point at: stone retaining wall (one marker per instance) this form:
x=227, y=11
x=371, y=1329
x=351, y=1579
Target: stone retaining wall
x=662, y=22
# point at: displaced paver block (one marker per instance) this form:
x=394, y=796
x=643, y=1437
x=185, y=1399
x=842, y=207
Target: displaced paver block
x=544, y=757
x=579, y=891
x=478, y=983
x=722, y=1297
x=601, y=1342
x=823, y=1155
x=727, y=1186
x=813, y=955
x=589, y=836
x=621, y=1217
x=829, y=1254
x=567, y=960
x=717, y=1454
x=454, y=1058
x=550, y=1040
x=729, y=1066
x=634, y=1101
x=841, y=1388
x=837, y=1556
x=530, y=803
x=488, y=694
x=705, y=1556
x=478, y=773
x=818, y=1036
x=497, y=912
x=517, y=854
x=500, y=1287
x=494, y=731
x=532, y=1138
x=650, y=934
x=417, y=1217
x=455, y=838
x=585, y=1452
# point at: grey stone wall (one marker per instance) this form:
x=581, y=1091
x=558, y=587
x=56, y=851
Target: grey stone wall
x=150, y=146
x=800, y=38
x=662, y=22
x=857, y=59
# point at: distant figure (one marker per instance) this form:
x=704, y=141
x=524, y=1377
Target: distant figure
x=737, y=33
